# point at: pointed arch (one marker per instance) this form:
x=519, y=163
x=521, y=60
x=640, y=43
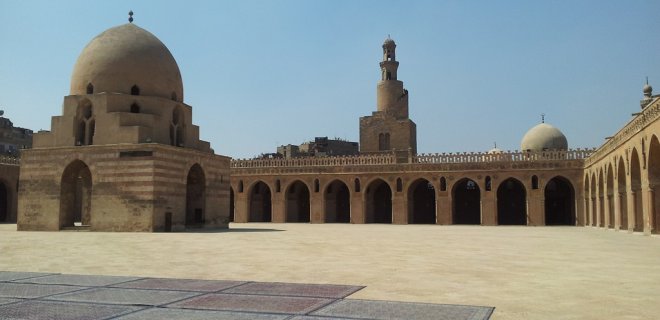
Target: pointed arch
x=4, y=202
x=466, y=202
x=76, y=195
x=135, y=108
x=636, y=191
x=511, y=203
x=195, y=196
x=378, y=197
x=135, y=90
x=90, y=88
x=231, y=204
x=594, y=200
x=622, y=194
x=601, y=199
x=297, y=202
x=337, y=202
x=559, y=197
x=609, y=196
x=260, y=203
x=653, y=168
x=421, y=202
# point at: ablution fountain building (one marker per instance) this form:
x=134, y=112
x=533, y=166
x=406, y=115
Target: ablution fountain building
x=125, y=156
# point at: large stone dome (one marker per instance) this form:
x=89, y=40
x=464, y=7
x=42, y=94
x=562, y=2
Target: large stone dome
x=123, y=57
x=543, y=137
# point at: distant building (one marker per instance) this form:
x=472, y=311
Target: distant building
x=320, y=147
x=13, y=139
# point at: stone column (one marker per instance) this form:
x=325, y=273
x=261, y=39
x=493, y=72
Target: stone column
x=631, y=210
x=443, y=208
x=278, y=205
x=488, y=208
x=399, y=208
x=240, y=207
x=357, y=208
x=535, y=209
x=617, y=206
x=317, y=207
x=647, y=198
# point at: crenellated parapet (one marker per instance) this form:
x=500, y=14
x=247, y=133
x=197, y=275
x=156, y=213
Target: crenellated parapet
x=646, y=117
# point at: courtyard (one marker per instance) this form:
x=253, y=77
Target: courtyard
x=524, y=272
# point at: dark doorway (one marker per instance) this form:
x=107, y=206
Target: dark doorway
x=337, y=203
x=76, y=195
x=654, y=183
x=297, y=200
x=195, y=196
x=379, y=202
x=622, y=194
x=260, y=203
x=231, y=204
x=466, y=202
x=609, y=185
x=4, y=204
x=168, y=222
x=559, y=202
x=511, y=203
x=421, y=202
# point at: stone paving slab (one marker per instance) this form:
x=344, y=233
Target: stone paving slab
x=253, y=303
x=124, y=296
x=26, y=290
x=52, y=310
x=8, y=300
x=185, y=314
x=11, y=275
x=391, y=310
x=180, y=284
x=78, y=280
x=296, y=289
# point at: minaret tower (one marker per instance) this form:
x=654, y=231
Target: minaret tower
x=389, y=128
x=392, y=98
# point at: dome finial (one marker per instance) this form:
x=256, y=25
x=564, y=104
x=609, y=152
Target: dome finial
x=542, y=117
x=130, y=16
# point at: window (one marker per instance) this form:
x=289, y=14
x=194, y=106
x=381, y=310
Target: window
x=535, y=182
x=443, y=184
x=240, y=186
x=357, y=185
x=135, y=90
x=316, y=185
x=399, y=185
x=277, y=185
x=488, y=183
x=90, y=88
x=135, y=108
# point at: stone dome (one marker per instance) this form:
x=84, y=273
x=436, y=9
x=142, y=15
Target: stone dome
x=543, y=137
x=389, y=42
x=648, y=90
x=123, y=57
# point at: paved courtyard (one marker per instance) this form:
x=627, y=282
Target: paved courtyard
x=524, y=272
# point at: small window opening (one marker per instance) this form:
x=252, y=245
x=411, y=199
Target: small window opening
x=399, y=185
x=535, y=182
x=240, y=186
x=90, y=88
x=443, y=184
x=174, y=96
x=316, y=185
x=135, y=108
x=488, y=183
x=135, y=90
x=357, y=185
x=277, y=185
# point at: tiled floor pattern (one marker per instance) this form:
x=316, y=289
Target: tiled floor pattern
x=29, y=295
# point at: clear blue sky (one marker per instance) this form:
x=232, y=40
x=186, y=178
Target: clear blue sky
x=264, y=73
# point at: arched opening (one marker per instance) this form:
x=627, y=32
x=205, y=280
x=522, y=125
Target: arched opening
x=357, y=185
x=443, y=184
x=135, y=90
x=4, y=202
x=90, y=88
x=623, y=199
x=399, y=185
x=135, y=108
x=195, y=196
x=559, y=202
x=177, y=128
x=587, y=203
x=76, y=195
x=421, y=202
x=511, y=203
x=337, y=203
x=488, y=183
x=277, y=185
x=601, y=199
x=317, y=185
x=594, y=200
x=466, y=202
x=297, y=202
x=535, y=182
x=654, y=183
x=636, y=186
x=260, y=202
x=609, y=185
x=231, y=204
x=379, y=202
x=174, y=97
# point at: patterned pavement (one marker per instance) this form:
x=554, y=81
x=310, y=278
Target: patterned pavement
x=36, y=296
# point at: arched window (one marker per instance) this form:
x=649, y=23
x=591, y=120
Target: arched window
x=90, y=88
x=535, y=182
x=443, y=184
x=135, y=90
x=174, y=96
x=488, y=183
x=357, y=185
x=277, y=185
x=399, y=185
x=135, y=108
x=240, y=186
x=316, y=185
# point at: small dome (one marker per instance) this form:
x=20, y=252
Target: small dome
x=543, y=137
x=126, y=56
x=389, y=42
x=495, y=150
x=648, y=90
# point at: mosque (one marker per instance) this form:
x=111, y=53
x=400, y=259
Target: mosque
x=125, y=156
